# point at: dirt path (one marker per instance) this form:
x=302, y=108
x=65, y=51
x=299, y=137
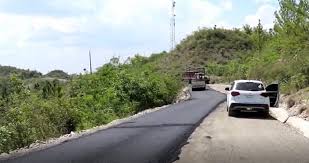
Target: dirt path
x=245, y=139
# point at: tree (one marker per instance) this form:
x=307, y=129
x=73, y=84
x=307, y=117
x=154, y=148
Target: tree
x=115, y=61
x=293, y=18
x=51, y=89
x=259, y=30
x=260, y=36
x=248, y=30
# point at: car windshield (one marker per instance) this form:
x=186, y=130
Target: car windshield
x=250, y=86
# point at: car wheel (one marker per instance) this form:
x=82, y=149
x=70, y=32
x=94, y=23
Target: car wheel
x=231, y=113
x=265, y=113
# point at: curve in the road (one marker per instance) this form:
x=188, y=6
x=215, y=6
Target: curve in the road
x=154, y=137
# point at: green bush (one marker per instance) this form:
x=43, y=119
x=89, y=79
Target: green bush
x=281, y=56
x=6, y=139
x=117, y=91
x=50, y=108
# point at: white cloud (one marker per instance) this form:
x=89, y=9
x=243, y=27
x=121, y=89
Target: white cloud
x=264, y=1
x=17, y=29
x=227, y=4
x=193, y=12
x=197, y=14
x=64, y=25
x=111, y=27
x=74, y=4
x=147, y=14
x=155, y=15
x=265, y=13
x=119, y=12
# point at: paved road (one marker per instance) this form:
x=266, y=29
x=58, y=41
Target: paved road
x=152, y=138
x=246, y=139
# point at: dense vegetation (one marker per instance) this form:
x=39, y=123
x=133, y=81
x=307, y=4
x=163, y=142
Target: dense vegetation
x=202, y=47
x=277, y=54
x=284, y=52
x=6, y=71
x=52, y=108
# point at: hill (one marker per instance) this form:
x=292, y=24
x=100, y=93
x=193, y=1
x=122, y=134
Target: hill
x=203, y=47
x=6, y=71
x=219, y=45
x=277, y=54
x=59, y=74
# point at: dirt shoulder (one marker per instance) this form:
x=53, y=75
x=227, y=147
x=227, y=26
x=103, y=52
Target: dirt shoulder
x=295, y=104
x=293, y=109
x=248, y=138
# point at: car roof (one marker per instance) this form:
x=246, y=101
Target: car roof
x=243, y=81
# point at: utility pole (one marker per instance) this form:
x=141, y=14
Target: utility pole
x=90, y=62
x=173, y=26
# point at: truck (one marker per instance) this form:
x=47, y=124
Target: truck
x=196, y=77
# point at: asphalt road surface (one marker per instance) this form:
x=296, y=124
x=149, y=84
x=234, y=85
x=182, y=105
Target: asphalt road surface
x=249, y=138
x=154, y=137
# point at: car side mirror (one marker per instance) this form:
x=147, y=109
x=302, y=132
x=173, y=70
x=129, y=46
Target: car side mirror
x=227, y=89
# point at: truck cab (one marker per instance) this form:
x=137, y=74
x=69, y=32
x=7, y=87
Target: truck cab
x=196, y=77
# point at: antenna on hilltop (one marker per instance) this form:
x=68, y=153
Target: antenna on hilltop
x=173, y=26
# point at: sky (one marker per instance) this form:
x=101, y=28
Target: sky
x=45, y=35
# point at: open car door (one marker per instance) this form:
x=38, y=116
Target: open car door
x=274, y=94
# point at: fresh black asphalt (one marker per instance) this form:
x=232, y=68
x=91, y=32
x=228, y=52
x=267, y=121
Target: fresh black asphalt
x=154, y=137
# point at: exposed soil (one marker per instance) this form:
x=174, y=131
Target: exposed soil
x=297, y=104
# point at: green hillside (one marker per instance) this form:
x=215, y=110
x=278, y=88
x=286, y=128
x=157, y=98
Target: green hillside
x=6, y=71
x=58, y=74
x=220, y=45
x=280, y=54
x=205, y=46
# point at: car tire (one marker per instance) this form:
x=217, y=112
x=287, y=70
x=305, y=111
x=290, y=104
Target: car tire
x=231, y=113
x=265, y=114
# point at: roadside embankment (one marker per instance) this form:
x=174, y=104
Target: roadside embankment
x=293, y=110
x=282, y=115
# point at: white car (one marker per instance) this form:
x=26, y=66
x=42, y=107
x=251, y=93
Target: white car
x=251, y=96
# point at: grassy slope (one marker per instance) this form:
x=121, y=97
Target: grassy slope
x=202, y=47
